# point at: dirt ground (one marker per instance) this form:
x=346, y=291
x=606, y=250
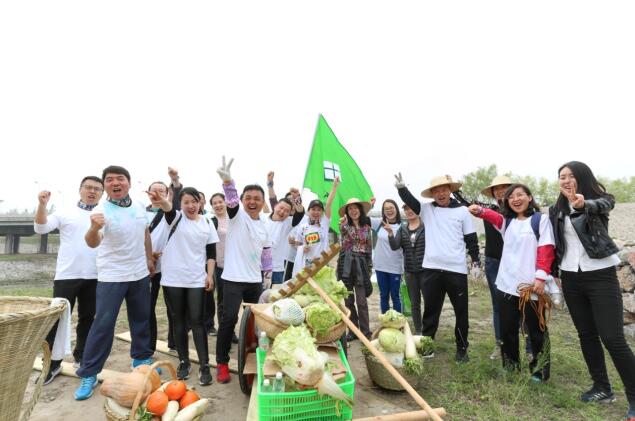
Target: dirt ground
x=228, y=402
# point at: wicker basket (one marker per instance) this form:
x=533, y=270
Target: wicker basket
x=24, y=324
x=382, y=378
x=116, y=412
x=273, y=327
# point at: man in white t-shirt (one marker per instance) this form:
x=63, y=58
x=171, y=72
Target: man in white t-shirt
x=248, y=260
x=119, y=231
x=76, y=270
x=449, y=231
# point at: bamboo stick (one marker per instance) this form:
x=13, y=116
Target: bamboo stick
x=422, y=403
x=405, y=416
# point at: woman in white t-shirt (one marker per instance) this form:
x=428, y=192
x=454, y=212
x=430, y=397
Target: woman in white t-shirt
x=528, y=252
x=388, y=263
x=190, y=249
x=312, y=234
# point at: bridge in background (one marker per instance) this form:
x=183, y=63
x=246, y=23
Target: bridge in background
x=15, y=227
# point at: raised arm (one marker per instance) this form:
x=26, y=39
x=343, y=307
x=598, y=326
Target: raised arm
x=273, y=199
x=298, y=207
x=175, y=188
x=229, y=187
x=405, y=195
x=93, y=235
x=42, y=223
x=329, y=201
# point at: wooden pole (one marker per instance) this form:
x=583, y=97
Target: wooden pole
x=405, y=416
x=433, y=415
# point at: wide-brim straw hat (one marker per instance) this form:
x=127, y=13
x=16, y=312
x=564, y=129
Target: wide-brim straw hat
x=365, y=205
x=499, y=180
x=442, y=180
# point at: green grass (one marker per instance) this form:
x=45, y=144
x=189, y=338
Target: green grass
x=483, y=390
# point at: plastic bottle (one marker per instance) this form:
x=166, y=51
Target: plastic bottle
x=263, y=341
x=278, y=383
x=266, y=386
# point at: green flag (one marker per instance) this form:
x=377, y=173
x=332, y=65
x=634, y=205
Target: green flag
x=329, y=159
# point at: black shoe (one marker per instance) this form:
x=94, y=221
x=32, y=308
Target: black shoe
x=351, y=337
x=234, y=339
x=53, y=371
x=184, y=370
x=599, y=395
x=212, y=331
x=461, y=355
x=204, y=376
x=630, y=415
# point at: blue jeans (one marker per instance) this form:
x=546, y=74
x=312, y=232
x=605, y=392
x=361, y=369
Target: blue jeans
x=491, y=272
x=277, y=277
x=109, y=296
x=389, y=288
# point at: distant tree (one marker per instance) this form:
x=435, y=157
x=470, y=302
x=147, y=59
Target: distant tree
x=622, y=188
x=476, y=181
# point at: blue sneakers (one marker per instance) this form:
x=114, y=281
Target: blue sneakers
x=85, y=389
x=147, y=361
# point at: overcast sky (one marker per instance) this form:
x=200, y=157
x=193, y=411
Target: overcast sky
x=425, y=88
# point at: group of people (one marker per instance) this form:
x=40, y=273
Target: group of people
x=208, y=265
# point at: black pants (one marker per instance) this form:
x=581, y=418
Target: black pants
x=288, y=270
x=595, y=303
x=210, y=310
x=436, y=283
x=510, y=320
x=187, y=306
x=219, y=282
x=234, y=293
x=414, y=282
x=82, y=290
x=155, y=285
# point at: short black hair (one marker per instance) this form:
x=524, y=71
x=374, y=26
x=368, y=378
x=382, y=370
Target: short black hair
x=190, y=191
x=115, y=169
x=249, y=187
x=508, y=212
x=167, y=189
x=211, y=199
x=92, y=178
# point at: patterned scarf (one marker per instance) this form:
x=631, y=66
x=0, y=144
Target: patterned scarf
x=123, y=202
x=84, y=206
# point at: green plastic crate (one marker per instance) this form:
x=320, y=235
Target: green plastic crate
x=306, y=405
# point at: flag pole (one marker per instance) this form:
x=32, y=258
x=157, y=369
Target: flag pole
x=310, y=153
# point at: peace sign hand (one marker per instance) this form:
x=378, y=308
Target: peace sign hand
x=575, y=199
x=224, y=171
x=399, y=183
x=388, y=228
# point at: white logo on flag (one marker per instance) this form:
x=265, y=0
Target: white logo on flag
x=331, y=170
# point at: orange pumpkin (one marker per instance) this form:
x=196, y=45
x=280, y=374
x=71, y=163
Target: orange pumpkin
x=188, y=398
x=175, y=389
x=155, y=379
x=124, y=388
x=157, y=402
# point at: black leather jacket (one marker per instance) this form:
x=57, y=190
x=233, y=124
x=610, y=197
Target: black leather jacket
x=592, y=226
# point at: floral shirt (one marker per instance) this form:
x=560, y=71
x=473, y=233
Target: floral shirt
x=356, y=239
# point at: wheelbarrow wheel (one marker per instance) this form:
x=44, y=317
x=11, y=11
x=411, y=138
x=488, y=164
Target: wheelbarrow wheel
x=247, y=343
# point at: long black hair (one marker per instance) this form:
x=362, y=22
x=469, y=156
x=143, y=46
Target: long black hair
x=587, y=185
x=383, y=214
x=363, y=219
x=508, y=212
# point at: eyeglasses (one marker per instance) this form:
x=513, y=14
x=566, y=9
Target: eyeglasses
x=93, y=188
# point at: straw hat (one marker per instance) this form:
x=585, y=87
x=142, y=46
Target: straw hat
x=442, y=180
x=499, y=180
x=365, y=205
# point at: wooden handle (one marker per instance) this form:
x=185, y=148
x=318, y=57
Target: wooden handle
x=405, y=416
x=433, y=415
x=137, y=399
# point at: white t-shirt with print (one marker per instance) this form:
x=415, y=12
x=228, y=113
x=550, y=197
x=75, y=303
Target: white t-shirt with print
x=159, y=236
x=246, y=237
x=518, y=262
x=316, y=237
x=444, y=231
x=121, y=256
x=185, y=255
x=75, y=260
x=279, y=235
x=385, y=258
